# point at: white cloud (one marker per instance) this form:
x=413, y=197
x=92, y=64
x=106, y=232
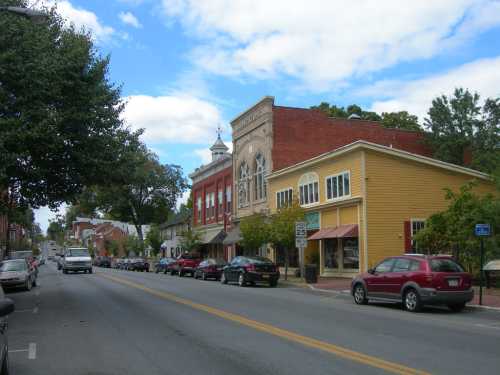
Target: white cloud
x=176, y=118
x=415, y=96
x=129, y=19
x=325, y=42
x=81, y=18
x=204, y=154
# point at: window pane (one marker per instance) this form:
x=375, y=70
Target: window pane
x=385, y=266
x=316, y=192
x=346, y=184
x=401, y=265
x=328, y=188
x=445, y=265
x=301, y=195
x=311, y=193
x=351, y=253
x=334, y=187
x=340, y=186
x=306, y=194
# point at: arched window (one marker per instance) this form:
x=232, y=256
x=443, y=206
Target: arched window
x=243, y=185
x=309, y=189
x=260, y=177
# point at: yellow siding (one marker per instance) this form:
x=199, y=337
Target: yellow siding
x=399, y=190
x=328, y=218
x=349, y=162
x=349, y=215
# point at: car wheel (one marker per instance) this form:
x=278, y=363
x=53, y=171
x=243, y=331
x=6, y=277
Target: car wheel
x=204, y=276
x=411, y=301
x=359, y=294
x=181, y=273
x=223, y=279
x=457, y=307
x=28, y=285
x=241, y=280
x=90, y=270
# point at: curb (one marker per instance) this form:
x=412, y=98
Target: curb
x=484, y=307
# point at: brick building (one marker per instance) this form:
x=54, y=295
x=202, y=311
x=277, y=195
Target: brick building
x=212, y=200
x=267, y=138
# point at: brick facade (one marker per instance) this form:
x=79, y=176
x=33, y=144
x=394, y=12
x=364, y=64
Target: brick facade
x=220, y=181
x=300, y=134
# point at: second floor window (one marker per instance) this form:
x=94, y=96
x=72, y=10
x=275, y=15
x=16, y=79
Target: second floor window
x=220, y=202
x=243, y=185
x=309, y=189
x=228, y=199
x=284, y=198
x=338, y=186
x=198, y=210
x=212, y=204
x=260, y=176
x=207, y=206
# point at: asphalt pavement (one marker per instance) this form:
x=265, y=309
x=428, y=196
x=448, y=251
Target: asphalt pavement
x=119, y=322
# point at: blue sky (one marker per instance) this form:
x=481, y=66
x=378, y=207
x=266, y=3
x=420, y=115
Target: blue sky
x=188, y=66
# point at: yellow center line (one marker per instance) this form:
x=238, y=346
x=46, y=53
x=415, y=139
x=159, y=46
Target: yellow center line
x=285, y=334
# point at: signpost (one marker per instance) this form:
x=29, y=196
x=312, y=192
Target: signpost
x=301, y=243
x=481, y=231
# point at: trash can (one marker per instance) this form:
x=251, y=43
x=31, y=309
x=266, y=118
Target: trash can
x=311, y=273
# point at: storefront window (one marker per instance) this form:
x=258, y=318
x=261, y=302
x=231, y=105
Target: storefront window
x=331, y=253
x=351, y=253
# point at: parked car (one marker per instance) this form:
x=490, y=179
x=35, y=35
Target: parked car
x=28, y=256
x=6, y=308
x=185, y=263
x=76, y=259
x=116, y=263
x=162, y=265
x=138, y=264
x=102, y=261
x=210, y=269
x=415, y=280
x=251, y=270
x=17, y=273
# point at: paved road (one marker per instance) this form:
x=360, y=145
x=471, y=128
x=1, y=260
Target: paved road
x=118, y=322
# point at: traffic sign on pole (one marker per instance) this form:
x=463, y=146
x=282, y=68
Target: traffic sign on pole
x=301, y=243
x=481, y=230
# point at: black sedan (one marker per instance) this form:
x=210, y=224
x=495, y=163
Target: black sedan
x=251, y=270
x=138, y=264
x=210, y=269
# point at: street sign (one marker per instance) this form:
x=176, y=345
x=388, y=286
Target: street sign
x=482, y=230
x=301, y=234
x=300, y=243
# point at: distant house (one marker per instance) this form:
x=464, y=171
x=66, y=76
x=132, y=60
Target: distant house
x=171, y=233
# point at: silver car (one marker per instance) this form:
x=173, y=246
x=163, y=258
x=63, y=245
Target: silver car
x=17, y=273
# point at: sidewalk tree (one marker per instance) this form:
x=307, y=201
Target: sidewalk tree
x=190, y=240
x=452, y=230
x=153, y=239
x=255, y=232
x=282, y=229
x=60, y=125
x=55, y=231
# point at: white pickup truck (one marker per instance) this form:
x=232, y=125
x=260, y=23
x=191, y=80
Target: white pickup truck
x=76, y=259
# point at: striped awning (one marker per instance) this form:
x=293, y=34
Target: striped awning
x=342, y=231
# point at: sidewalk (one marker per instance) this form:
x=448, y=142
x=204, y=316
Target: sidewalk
x=491, y=297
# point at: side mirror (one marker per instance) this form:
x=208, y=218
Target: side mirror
x=371, y=271
x=6, y=307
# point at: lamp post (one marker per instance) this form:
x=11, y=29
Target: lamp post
x=35, y=15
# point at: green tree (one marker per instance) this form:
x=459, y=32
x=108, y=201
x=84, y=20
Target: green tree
x=55, y=231
x=458, y=124
x=153, y=239
x=395, y=120
x=132, y=245
x=282, y=229
x=113, y=247
x=400, y=120
x=60, y=126
x=143, y=190
x=255, y=232
x=190, y=240
x=452, y=231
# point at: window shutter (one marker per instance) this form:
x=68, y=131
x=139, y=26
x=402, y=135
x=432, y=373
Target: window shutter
x=407, y=229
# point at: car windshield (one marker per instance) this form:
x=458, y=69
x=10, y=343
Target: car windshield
x=77, y=253
x=259, y=260
x=13, y=266
x=20, y=254
x=445, y=265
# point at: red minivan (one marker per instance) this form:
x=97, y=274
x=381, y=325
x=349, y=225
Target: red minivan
x=415, y=280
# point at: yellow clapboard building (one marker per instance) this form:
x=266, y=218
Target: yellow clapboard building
x=364, y=202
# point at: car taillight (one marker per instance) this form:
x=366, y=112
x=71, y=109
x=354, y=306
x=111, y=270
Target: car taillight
x=250, y=268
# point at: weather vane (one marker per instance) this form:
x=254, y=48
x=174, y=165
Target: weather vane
x=219, y=131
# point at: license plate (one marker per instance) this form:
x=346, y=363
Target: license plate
x=453, y=282
x=265, y=276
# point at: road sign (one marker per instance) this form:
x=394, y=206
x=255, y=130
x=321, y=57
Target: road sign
x=482, y=230
x=300, y=243
x=300, y=229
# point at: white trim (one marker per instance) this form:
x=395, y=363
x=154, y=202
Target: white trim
x=348, y=171
x=383, y=149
